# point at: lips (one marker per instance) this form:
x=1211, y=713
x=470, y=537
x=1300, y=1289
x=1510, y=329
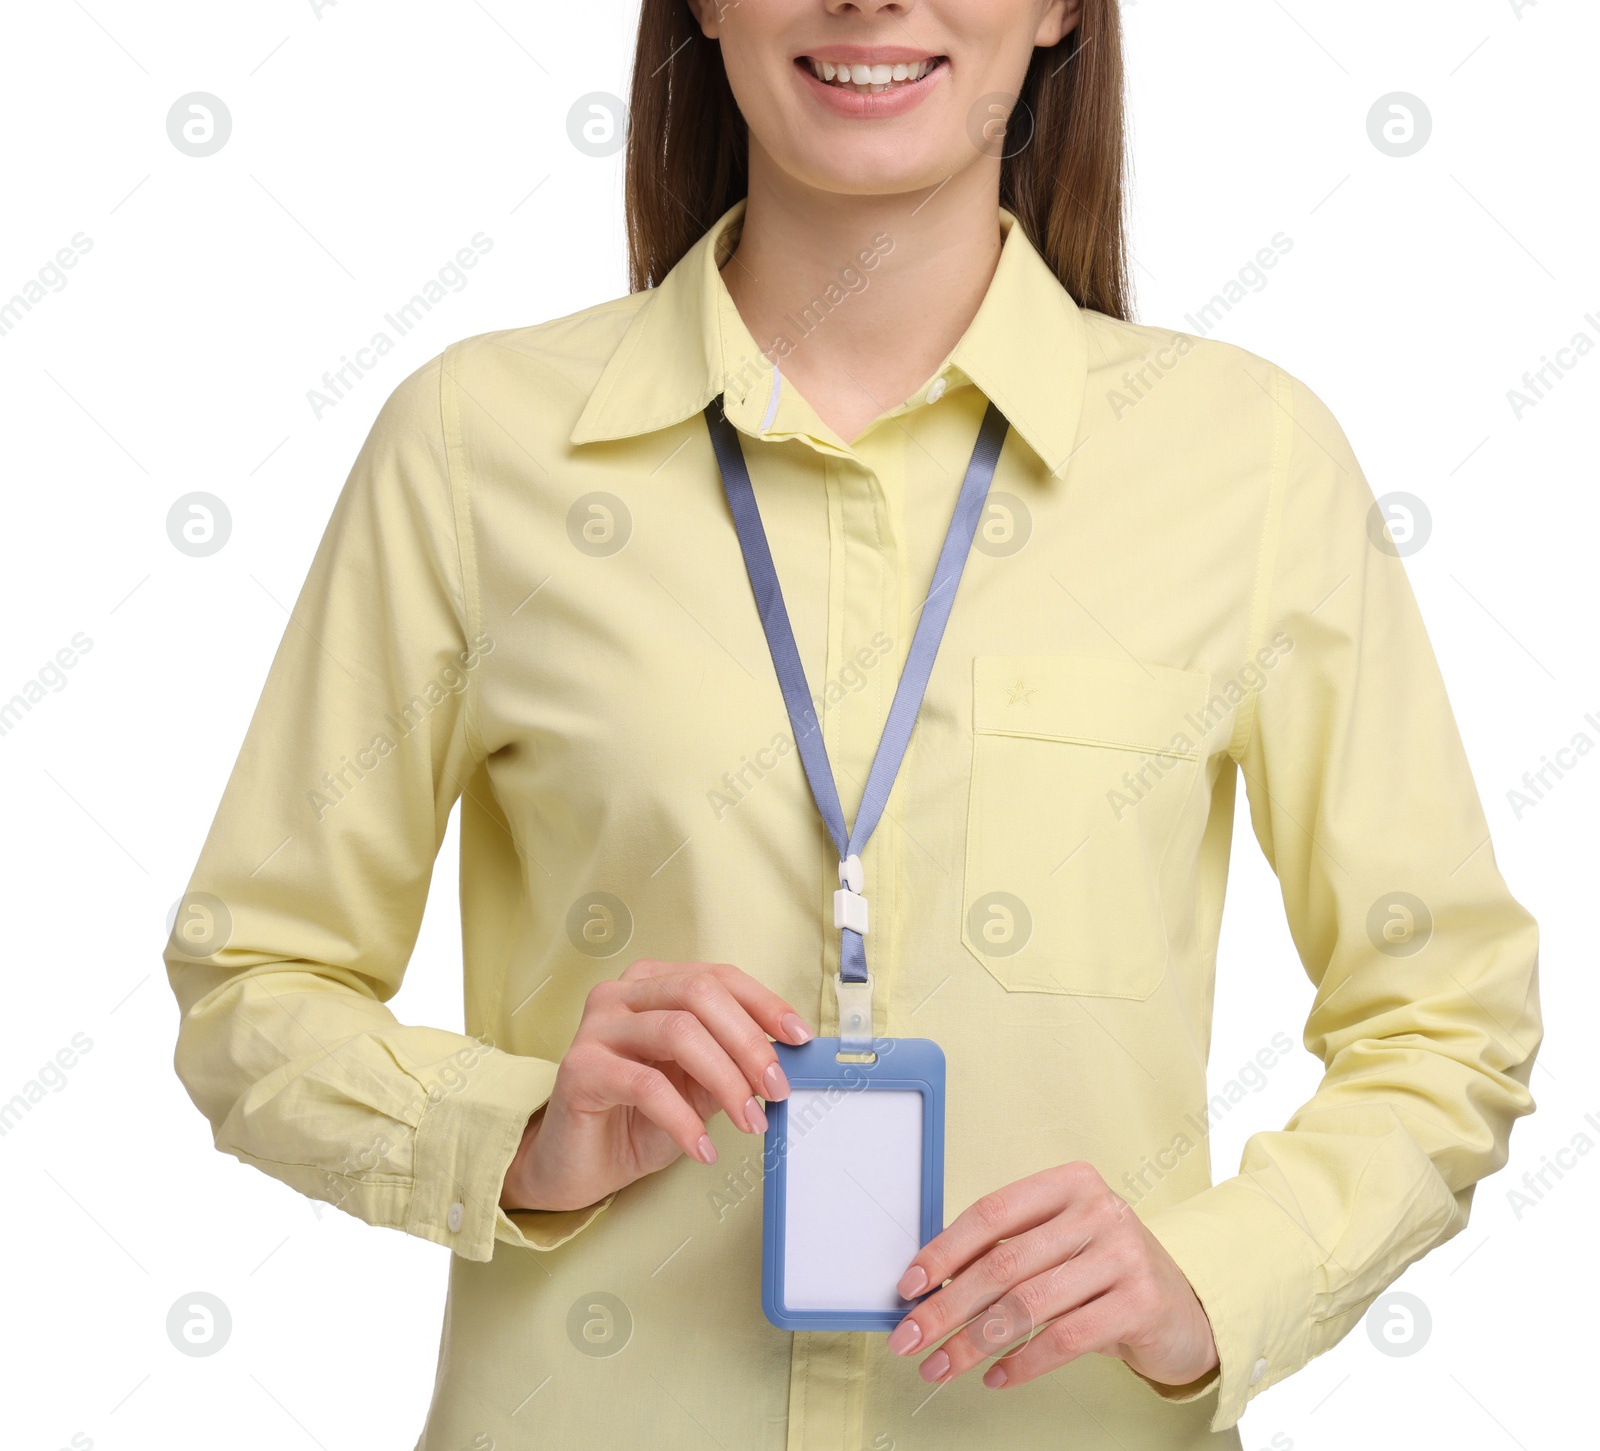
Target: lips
x=870, y=78
x=882, y=94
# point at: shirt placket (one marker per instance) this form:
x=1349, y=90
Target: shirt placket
x=828, y=1369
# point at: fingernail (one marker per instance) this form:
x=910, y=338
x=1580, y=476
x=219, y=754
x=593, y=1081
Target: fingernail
x=995, y=1377
x=912, y=1283
x=794, y=1028
x=934, y=1366
x=706, y=1149
x=777, y=1084
x=754, y=1117
x=905, y=1338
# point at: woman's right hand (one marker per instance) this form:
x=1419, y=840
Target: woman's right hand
x=657, y=1051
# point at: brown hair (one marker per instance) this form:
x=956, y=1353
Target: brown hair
x=687, y=159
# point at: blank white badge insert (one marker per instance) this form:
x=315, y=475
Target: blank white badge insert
x=854, y=1197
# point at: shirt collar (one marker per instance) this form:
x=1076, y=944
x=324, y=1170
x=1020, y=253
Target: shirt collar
x=1026, y=349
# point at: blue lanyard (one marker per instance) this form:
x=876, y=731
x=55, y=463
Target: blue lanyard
x=850, y=914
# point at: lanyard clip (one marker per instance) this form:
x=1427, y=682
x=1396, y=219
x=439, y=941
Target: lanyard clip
x=855, y=998
x=855, y=1015
x=849, y=906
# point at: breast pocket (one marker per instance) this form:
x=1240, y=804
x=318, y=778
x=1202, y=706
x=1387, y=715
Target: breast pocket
x=1081, y=770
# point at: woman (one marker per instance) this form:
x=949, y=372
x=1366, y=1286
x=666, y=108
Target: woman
x=531, y=598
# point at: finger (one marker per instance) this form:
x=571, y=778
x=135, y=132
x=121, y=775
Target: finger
x=678, y=1036
x=777, y=1017
x=742, y=1037
x=1098, y=1325
x=700, y=1098
x=602, y=1080
x=1010, y=1320
x=1005, y=1212
x=981, y=1284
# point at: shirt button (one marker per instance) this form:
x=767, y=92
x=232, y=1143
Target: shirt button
x=1258, y=1370
x=458, y=1214
x=936, y=390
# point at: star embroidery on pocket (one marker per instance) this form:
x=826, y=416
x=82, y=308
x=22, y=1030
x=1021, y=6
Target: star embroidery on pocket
x=1020, y=693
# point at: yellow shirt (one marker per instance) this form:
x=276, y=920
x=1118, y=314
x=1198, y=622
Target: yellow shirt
x=530, y=599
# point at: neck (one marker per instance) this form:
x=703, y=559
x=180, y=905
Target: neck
x=858, y=339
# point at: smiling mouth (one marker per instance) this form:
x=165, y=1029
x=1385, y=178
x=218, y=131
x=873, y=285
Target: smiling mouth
x=872, y=80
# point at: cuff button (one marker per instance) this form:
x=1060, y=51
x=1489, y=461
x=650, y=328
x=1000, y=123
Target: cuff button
x=1258, y=1370
x=457, y=1215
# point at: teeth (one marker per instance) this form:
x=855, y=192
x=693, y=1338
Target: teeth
x=870, y=80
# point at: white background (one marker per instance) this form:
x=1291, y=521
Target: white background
x=369, y=144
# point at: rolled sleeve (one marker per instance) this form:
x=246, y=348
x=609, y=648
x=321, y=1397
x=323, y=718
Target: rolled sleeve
x=1426, y=1012
x=304, y=908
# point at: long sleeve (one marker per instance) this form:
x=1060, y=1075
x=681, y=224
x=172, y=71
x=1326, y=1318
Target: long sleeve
x=307, y=898
x=1426, y=1008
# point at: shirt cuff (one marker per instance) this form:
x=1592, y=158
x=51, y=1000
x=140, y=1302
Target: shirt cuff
x=546, y=1228
x=1253, y=1270
x=1179, y=1394
x=466, y=1138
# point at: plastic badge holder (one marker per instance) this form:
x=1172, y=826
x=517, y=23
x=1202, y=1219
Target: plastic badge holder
x=854, y=1182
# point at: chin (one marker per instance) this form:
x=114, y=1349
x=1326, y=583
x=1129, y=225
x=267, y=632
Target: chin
x=870, y=173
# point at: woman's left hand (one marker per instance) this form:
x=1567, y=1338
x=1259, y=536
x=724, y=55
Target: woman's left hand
x=1062, y=1251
